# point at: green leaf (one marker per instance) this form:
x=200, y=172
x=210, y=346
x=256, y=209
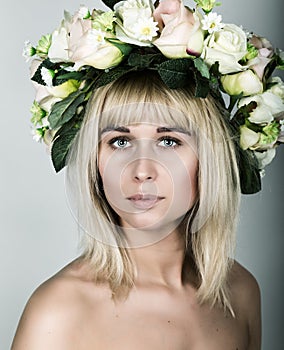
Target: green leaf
x=63, y=140
x=64, y=110
x=202, y=86
x=60, y=149
x=110, y=3
x=249, y=173
x=123, y=47
x=242, y=114
x=107, y=77
x=144, y=60
x=46, y=64
x=176, y=72
x=64, y=76
x=233, y=100
x=202, y=67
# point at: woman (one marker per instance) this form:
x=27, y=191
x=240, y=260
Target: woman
x=155, y=174
x=161, y=202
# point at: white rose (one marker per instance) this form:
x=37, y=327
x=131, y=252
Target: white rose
x=265, y=158
x=268, y=107
x=135, y=22
x=248, y=137
x=226, y=46
x=246, y=82
x=278, y=88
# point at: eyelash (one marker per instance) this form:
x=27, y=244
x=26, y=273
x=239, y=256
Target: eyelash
x=112, y=141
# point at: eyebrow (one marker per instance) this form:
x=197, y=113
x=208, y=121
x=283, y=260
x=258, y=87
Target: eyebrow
x=159, y=130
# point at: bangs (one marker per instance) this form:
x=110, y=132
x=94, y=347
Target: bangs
x=144, y=112
x=141, y=97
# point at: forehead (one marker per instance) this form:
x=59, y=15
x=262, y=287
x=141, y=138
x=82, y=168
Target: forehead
x=131, y=114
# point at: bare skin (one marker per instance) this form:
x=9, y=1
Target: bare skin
x=161, y=312
x=70, y=311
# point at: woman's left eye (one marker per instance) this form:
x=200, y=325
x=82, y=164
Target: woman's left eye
x=169, y=142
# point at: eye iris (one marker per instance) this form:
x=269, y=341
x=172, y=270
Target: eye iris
x=121, y=143
x=168, y=142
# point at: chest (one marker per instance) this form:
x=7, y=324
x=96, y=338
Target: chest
x=166, y=324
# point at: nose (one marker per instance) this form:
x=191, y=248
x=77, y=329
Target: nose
x=144, y=170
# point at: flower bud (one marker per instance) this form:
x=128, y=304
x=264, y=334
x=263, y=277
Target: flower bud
x=245, y=82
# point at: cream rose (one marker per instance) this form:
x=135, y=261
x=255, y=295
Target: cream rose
x=248, y=137
x=227, y=47
x=246, y=82
x=277, y=88
x=181, y=33
x=268, y=107
x=94, y=50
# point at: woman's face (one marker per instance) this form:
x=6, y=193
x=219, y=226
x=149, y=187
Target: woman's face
x=149, y=175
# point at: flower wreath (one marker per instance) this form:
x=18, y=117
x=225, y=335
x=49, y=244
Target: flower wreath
x=91, y=49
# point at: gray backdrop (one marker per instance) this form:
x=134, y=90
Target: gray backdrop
x=38, y=234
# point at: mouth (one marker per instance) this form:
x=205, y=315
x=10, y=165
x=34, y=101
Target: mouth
x=144, y=201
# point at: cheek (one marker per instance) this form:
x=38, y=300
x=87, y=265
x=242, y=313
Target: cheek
x=185, y=182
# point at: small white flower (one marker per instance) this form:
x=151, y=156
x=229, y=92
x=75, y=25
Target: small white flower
x=28, y=50
x=262, y=173
x=47, y=76
x=96, y=37
x=83, y=12
x=145, y=29
x=212, y=22
x=37, y=134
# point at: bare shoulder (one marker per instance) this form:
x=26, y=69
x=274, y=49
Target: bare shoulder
x=246, y=301
x=56, y=309
x=243, y=282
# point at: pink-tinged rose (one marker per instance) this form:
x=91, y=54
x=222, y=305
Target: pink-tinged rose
x=181, y=33
x=95, y=50
x=265, y=53
x=77, y=29
x=64, y=39
x=246, y=82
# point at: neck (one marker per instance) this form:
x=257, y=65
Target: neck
x=161, y=262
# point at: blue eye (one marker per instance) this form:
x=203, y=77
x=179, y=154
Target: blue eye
x=119, y=142
x=169, y=142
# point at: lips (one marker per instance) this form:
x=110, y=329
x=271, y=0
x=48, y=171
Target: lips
x=144, y=201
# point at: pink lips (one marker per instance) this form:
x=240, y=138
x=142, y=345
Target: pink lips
x=144, y=201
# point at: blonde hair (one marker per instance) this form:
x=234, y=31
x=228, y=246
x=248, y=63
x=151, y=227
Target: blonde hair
x=210, y=233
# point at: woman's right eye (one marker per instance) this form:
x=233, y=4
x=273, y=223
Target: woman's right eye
x=119, y=143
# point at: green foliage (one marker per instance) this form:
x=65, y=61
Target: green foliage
x=175, y=73
x=124, y=48
x=110, y=3
x=64, y=110
x=147, y=60
x=249, y=173
x=63, y=141
x=37, y=75
x=108, y=76
x=202, y=67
